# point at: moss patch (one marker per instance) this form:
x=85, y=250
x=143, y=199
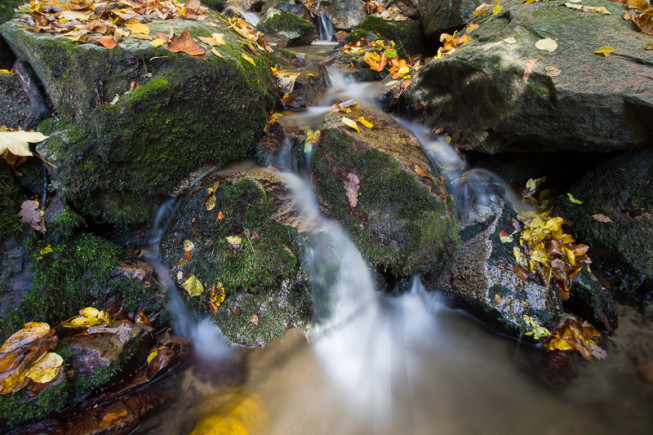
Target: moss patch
x=10, y=198
x=407, y=34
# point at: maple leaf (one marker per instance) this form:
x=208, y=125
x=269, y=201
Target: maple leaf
x=15, y=144
x=186, y=44
x=32, y=216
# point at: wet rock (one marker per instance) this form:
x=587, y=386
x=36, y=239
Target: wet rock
x=14, y=105
x=483, y=279
x=293, y=8
x=407, y=34
x=247, y=249
x=137, y=144
x=286, y=29
x=309, y=87
x=444, y=16
x=478, y=96
x=402, y=222
x=104, y=347
x=616, y=214
x=345, y=14
x=410, y=8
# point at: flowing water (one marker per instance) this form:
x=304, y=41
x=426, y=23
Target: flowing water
x=373, y=363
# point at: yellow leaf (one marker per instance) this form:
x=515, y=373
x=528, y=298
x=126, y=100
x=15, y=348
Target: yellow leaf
x=471, y=28
x=539, y=256
x=45, y=369
x=89, y=312
x=6, y=72
x=537, y=331
x=158, y=42
x=570, y=255
x=210, y=202
x=546, y=44
x=234, y=240
x=497, y=9
x=188, y=245
x=350, y=123
x=605, y=51
x=573, y=200
x=193, y=286
x=136, y=27
x=249, y=59
x=153, y=354
x=216, y=52
x=559, y=344
x=365, y=122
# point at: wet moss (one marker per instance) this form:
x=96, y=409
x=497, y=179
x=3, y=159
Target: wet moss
x=18, y=408
x=591, y=302
x=398, y=225
x=7, y=9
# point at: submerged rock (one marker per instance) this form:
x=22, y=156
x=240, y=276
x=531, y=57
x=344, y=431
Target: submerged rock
x=286, y=29
x=247, y=250
x=378, y=183
x=574, y=99
x=136, y=119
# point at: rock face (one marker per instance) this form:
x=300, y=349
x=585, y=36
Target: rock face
x=407, y=34
x=14, y=105
x=403, y=223
x=286, y=29
x=443, y=15
x=118, y=148
x=345, y=14
x=262, y=270
x=621, y=190
x=478, y=95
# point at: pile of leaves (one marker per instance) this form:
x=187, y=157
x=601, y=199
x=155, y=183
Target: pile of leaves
x=641, y=15
x=573, y=335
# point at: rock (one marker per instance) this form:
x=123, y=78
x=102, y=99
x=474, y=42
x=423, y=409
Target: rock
x=478, y=96
x=616, y=214
x=483, y=280
x=345, y=14
x=117, y=149
x=410, y=8
x=309, y=87
x=14, y=105
x=293, y=8
x=440, y=16
x=407, y=34
x=7, y=9
x=286, y=29
x=402, y=223
x=261, y=267
x=96, y=351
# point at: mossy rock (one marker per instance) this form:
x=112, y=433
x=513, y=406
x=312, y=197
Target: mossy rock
x=265, y=279
x=118, y=150
x=7, y=9
x=10, y=199
x=407, y=34
x=286, y=29
x=402, y=223
x=620, y=189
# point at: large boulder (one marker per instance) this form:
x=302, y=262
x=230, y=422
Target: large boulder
x=406, y=34
x=286, y=29
x=444, y=15
x=136, y=119
x=379, y=184
x=616, y=214
x=246, y=249
x=482, y=95
x=345, y=14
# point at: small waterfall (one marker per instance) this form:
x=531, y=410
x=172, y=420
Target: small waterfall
x=326, y=27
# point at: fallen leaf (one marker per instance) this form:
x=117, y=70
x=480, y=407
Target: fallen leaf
x=32, y=216
x=365, y=122
x=351, y=123
x=254, y=319
x=234, y=241
x=497, y=9
x=645, y=23
x=193, y=286
x=136, y=26
x=249, y=59
x=45, y=369
x=573, y=200
x=17, y=142
x=529, y=69
x=510, y=40
x=210, y=202
x=216, y=297
x=627, y=16
x=107, y=42
x=546, y=44
x=552, y=71
x=186, y=44
x=505, y=237
x=113, y=418
x=605, y=51
x=158, y=42
x=352, y=187
x=536, y=330
x=216, y=52
x=6, y=72
x=421, y=173
x=602, y=218
x=220, y=216
x=188, y=245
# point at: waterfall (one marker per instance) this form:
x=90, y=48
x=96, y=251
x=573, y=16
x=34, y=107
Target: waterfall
x=326, y=27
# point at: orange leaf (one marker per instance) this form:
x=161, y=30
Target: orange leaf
x=421, y=173
x=185, y=43
x=107, y=42
x=529, y=69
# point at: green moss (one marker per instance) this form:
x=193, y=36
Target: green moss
x=285, y=22
x=17, y=408
x=10, y=197
x=398, y=224
x=407, y=34
x=7, y=9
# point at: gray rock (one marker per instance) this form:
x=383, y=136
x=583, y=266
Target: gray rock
x=286, y=29
x=444, y=15
x=345, y=14
x=477, y=94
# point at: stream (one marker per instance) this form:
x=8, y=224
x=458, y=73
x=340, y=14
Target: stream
x=379, y=364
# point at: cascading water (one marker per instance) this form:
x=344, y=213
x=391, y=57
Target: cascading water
x=326, y=27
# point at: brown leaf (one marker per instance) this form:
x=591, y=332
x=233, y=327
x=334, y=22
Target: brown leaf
x=352, y=186
x=114, y=418
x=602, y=218
x=421, y=173
x=521, y=273
x=185, y=43
x=32, y=216
x=107, y=42
x=254, y=319
x=529, y=69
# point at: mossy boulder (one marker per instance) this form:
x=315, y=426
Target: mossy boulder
x=403, y=223
x=117, y=149
x=407, y=34
x=265, y=279
x=478, y=95
x=444, y=15
x=14, y=105
x=621, y=190
x=286, y=29
x=345, y=14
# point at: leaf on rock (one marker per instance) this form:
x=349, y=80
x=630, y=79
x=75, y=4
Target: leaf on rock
x=234, y=241
x=605, y=51
x=573, y=200
x=352, y=185
x=136, y=26
x=45, y=369
x=510, y=40
x=645, y=23
x=193, y=286
x=536, y=330
x=6, y=72
x=601, y=218
x=215, y=40
x=529, y=69
x=505, y=237
x=16, y=143
x=497, y=9
x=546, y=44
x=365, y=122
x=186, y=44
x=216, y=52
x=32, y=216
x=158, y=42
x=552, y=71
x=249, y=59
x=188, y=245
x=107, y=42
x=216, y=297
x=111, y=419
x=351, y=124
x=421, y=173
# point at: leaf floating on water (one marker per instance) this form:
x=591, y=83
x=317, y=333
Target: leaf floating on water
x=249, y=59
x=193, y=286
x=546, y=44
x=351, y=124
x=45, y=369
x=602, y=218
x=573, y=200
x=605, y=51
x=365, y=122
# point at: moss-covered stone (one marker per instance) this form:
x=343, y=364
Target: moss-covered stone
x=407, y=34
x=264, y=276
x=289, y=29
x=402, y=223
x=20, y=407
x=118, y=151
x=10, y=198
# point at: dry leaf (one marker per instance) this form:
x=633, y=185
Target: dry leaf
x=546, y=44
x=352, y=187
x=497, y=9
x=45, y=369
x=351, y=123
x=249, y=59
x=529, y=69
x=107, y=42
x=188, y=245
x=16, y=143
x=605, y=51
x=216, y=52
x=193, y=286
x=601, y=218
x=32, y=216
x=552, y=71
x=234, y=241
x=254, y=319
x=421, y=173
x=365, y=122
x=185, y=43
